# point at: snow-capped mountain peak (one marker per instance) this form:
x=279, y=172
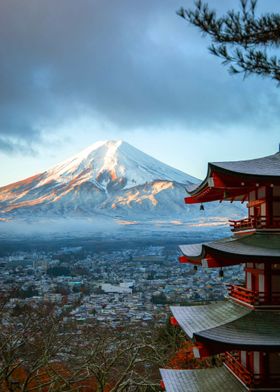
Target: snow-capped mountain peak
x=114, y=162
x=109, y=178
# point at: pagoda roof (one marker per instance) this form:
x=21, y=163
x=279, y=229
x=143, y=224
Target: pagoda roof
x=268, y=166
x=195, y=319
x=234, y=179
x=261, y=246
x=217, y=379
x=228, y=323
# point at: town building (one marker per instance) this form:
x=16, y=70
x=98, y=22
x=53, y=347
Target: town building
x=245, y=327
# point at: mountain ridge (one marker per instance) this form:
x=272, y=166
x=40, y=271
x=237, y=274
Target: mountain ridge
x=110, y=178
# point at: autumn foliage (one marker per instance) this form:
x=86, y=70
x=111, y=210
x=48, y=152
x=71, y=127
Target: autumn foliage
x=39, y=352
x=184, y=359
x=54, y=377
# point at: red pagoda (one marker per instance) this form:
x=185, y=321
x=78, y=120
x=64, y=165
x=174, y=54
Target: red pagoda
x=246, y=326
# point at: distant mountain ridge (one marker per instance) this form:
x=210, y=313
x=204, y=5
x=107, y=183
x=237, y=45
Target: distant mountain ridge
x=109, y=178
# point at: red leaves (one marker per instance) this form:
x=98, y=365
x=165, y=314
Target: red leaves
x=184, y=359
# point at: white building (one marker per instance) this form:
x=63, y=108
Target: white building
x=109, y=288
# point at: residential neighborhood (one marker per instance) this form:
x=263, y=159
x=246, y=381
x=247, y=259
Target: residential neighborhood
x=113, y=288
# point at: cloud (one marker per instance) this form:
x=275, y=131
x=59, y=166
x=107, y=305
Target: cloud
x=15, y=147
x=132, y=64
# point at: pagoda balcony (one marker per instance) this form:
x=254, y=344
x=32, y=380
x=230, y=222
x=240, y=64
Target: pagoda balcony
x=249, y=378
x=232, y=362
x=261, y=222
x=254, y=298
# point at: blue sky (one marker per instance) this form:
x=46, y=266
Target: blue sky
x=75, y=72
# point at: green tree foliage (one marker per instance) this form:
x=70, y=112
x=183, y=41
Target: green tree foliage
x=246, y=42
x=159, y=299
x=29, y=292
x=58, y=271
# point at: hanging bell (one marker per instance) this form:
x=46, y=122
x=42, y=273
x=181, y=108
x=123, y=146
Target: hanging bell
x=201, y=207
x=221, y=273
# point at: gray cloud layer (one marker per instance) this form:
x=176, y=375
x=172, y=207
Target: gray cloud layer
x=133, y=63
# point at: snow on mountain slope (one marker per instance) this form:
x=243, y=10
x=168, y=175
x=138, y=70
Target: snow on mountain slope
x=106, y=162
x=109, y=178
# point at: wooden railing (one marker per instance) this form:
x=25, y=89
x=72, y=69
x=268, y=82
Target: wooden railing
x=242, y=294
x=242, y=224
x=253, y=297
x=238, y=369
x=248, y=378
x=261, y=222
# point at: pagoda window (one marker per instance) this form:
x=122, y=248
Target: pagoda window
x=261, y=283
x=276, y=206
x=276, y=191
x=252, y=196
x=272, y=284
x=257, y=367
x=275, y=280
x=263, y=209
x=274, y=363
x=261, y=192
x=261, y=197
x=275, y=267
x=243, y=357
x=255, y=279
x=248, y=280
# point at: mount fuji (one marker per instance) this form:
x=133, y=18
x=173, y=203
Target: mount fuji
x=109, y=179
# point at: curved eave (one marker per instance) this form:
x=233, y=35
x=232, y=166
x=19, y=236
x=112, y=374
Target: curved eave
x=205, y=256
x=230, y=326
x=227, y=181
x=195, y=319
x=214, y=167
x=232, y=256
x=214, y=188
x=223, y=344
x=193, y=252
x=253, y=247
x=217, y=379
x=265, y=167
x=203, y=186
x=256, y=330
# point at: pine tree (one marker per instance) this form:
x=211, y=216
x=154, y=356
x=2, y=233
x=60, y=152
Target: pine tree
x=245, y=42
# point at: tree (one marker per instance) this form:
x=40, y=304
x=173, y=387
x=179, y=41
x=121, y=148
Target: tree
x=115, y=361
x=184, y=359
x=240, y=38
x=30, y=342
x=40, y=352
x=159, y=299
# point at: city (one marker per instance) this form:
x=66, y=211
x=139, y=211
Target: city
x=115, y=287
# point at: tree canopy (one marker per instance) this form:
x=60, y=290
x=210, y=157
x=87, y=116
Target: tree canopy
x=246, y=42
